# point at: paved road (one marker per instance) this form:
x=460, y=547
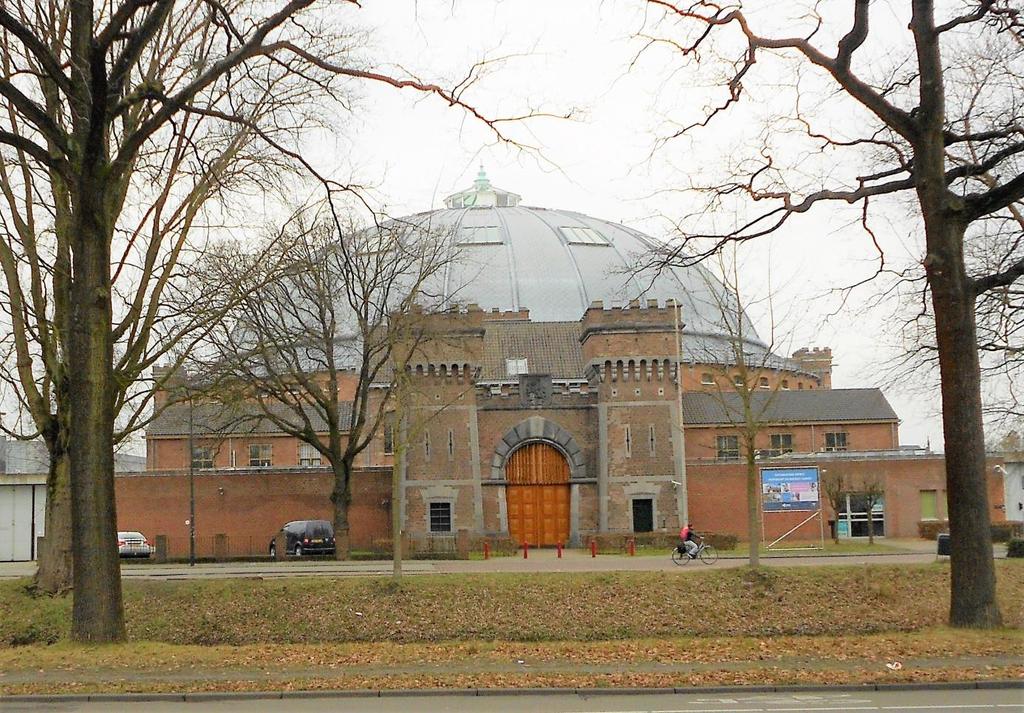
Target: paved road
x=995, y=701
x=538, y=561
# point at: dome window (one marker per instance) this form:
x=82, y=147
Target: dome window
x=577, y=235
x=480, y=235
x=515, y=367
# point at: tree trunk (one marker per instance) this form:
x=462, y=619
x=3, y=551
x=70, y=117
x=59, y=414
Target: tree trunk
x=341, y=497
x=871, y=522
x=54, y=575
x=973, y=586
x=396, y=514
x=753, y=501
x=98, y=613
x=973, y=578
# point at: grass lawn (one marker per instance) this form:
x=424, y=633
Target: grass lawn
x=832, y=624
x=597, y=606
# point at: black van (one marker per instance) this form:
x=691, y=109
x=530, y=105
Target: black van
x=306, y=537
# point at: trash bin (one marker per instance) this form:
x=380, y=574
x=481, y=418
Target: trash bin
x=943, y=544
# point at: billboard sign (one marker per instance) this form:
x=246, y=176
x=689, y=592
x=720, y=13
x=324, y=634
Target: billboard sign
x=785, y=489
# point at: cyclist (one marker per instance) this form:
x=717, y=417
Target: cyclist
x=688, y=540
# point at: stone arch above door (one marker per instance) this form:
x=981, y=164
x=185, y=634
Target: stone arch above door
x=538, y=428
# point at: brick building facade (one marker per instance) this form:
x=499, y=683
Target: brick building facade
x=606, y=406
x=560, y=401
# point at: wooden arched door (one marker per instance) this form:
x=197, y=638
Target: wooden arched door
x=537, y=495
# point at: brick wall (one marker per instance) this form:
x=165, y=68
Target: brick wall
x=717, y=495
x=248, y=506
x=701, y=441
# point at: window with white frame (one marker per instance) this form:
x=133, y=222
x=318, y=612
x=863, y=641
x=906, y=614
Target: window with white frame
x=707, y=379
x=738, y=380
x=762, y=383
x=440, y=516
x=260, y=455
x=728, y=447
x=202, y=457
x=308, y=455
x=835, y=441
x=781, y=443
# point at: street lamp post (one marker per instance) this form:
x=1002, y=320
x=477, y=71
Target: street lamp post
x=684, y=505
x=191, y=486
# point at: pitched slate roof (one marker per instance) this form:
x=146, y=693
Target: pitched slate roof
x=549, y=348
x=224, y=420
x=807, y=406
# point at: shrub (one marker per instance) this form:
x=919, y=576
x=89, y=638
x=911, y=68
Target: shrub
x=1001, y=531
x=721, y=540
x=931, y=529
x=1006, y=531
x=1015, y=548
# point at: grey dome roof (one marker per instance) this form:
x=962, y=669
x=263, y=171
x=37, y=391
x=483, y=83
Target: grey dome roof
x=555, y=263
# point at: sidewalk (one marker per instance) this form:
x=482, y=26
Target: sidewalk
x=538, y=560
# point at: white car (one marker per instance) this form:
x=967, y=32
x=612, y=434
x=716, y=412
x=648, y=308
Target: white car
x=133, y=544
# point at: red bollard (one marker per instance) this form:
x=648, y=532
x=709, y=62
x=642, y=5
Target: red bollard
x=559, y=546
x=487, y=550
x=593, y=548
x=632, y=546
x=526, y=550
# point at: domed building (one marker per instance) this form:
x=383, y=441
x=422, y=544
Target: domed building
x=563, y=395
x=574, y=423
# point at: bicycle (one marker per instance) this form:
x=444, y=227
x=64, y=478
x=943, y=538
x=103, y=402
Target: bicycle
x=705, y=552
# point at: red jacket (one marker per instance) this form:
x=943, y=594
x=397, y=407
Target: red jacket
x=684, y=534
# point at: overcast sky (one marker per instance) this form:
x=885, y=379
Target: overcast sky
x=577, y=55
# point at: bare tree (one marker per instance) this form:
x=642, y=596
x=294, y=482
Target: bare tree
x=928, y=133
x=102, y=102
x=37, y=357
x=871, y=487
x=747, y=378
x=835, y=485
x=320, y=346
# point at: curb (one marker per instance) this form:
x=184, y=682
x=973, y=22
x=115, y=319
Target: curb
x=493, y=692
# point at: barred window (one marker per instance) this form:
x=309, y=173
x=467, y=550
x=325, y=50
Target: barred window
x=440, y=517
